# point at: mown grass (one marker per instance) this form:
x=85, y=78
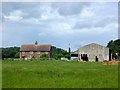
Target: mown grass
x=58, y=74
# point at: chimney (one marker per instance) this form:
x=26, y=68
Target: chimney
x=36, y=43
x=69, y=48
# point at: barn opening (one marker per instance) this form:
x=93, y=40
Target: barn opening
x=84, y=57
x=74, y=56
x=96, y=58
x=109, y=54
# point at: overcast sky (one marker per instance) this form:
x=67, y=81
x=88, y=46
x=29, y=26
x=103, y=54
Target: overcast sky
x=59, y=24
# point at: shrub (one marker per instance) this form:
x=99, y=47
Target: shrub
x=44, y=56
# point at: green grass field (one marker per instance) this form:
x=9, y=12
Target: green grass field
x=58, y=74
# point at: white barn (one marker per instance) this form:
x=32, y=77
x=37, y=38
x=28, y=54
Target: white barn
x=93, y=52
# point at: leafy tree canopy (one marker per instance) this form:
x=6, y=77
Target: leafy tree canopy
x=44, y=56
x=114, y=46
x=10, y=52
x=57, y=53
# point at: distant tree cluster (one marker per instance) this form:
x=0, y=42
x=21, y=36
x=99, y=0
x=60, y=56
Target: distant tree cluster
x=114, y=46
x=10, y=52
x=14, y=52
x=44, y=56
x=57, y=53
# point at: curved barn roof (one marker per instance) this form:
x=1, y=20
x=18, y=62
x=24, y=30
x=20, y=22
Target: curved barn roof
x=92, y=44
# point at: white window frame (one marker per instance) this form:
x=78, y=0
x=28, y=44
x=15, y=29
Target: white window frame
x=23, y=52
x=38, y=52
x=46, y=52
x=31, y=52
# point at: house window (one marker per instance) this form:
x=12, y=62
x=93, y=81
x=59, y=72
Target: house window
x=23, y=52
x=31, y=52
x=29, y=57
x=38, y=52
x=46, y=52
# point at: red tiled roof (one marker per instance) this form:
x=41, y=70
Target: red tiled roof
x=33, y=47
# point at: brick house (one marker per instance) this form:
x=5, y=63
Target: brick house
x=28, y=51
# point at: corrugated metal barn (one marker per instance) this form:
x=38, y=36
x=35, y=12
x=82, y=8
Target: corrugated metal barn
x=93, y=52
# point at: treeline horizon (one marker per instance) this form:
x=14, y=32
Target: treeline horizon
x=57, y=53
x=14, y=52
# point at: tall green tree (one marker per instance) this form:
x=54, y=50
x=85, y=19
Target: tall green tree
x=10, y=52
x=114, y=46
x=57, y=53
x=44, y=56
x=17, y=55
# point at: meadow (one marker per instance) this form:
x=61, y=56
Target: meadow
x=58, y=74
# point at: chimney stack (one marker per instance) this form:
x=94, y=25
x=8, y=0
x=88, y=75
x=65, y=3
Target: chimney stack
x=36, y=43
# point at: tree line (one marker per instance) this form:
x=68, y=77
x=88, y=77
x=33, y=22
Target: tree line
x=57, y=53
x=10, y=52
x=14, y=52
x=114, y=46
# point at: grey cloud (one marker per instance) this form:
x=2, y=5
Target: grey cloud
x=31, y=8
x=103, y=16
x=94, y=23
x=80, y=25
x=119, y=20
x=17, y=33
x=70, y=8
x=34, y=8
x=0, y=8
x=119, y=11
x=10, y=6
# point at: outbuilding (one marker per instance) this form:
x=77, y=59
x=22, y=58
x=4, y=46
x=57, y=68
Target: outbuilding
x=93, y=52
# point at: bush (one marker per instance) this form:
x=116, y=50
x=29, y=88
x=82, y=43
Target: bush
x=44, y=56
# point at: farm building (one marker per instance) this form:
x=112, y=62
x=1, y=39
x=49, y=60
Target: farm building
x=28, y=51
x=93, y=52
